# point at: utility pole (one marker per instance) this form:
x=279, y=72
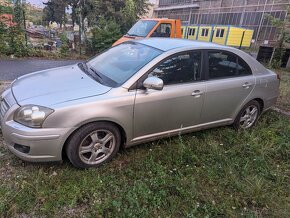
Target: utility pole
x=80, y=26
x=24, y=22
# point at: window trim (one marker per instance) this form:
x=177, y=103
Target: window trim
x=206, y=63
x=138, y=84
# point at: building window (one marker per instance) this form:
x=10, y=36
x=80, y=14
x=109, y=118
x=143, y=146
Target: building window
x=219, y=33
x=204, y=32
x=191, y=32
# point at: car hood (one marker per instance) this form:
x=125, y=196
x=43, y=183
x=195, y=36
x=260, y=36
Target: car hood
x=54, y=86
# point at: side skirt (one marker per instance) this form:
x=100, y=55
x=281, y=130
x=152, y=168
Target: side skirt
x=152, y=137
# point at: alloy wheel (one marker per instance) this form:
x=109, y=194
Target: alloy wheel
x=97, y=147
x=249, y=116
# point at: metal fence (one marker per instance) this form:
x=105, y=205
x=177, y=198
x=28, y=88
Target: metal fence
x=245, y=13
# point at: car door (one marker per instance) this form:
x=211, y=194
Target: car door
x=230, y=81
x=180, y=102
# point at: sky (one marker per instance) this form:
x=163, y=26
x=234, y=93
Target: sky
x=37, y=2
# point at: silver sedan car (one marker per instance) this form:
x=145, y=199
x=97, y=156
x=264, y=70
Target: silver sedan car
x=132, y=93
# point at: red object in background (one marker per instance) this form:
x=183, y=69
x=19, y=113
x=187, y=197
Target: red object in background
x=7, y=19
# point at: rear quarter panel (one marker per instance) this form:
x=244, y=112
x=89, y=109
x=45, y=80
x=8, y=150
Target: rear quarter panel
x=267, y=88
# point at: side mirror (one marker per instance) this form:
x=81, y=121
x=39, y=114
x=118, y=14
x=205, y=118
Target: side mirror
x=153, y=83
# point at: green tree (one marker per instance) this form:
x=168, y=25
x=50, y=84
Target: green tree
x=18, y=13
x=124, y=13
x=105, y=35
x=64, y=45
x=283, y=37
x=55, y=11
x=4, y=47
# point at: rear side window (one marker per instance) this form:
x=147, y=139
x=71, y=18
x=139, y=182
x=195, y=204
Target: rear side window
x=243, y=68
x=225, y=64
x=180, y=68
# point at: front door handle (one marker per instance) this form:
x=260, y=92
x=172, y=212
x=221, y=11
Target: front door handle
x=247, y=85
x=197, y=93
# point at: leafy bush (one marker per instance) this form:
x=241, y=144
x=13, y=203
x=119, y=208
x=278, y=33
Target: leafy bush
x=64, y=45
x=104, y=35
x=12, y=41
x=4, y=47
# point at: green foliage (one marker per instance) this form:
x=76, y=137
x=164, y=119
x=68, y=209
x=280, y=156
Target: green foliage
x=284, y=36
x=5, y=9
x=54, y=11
x=124, y=13
x=105, y=35
x=4, y=47
x=18, y=13
x=16, y=42
x=12, y=41
x=64, y=45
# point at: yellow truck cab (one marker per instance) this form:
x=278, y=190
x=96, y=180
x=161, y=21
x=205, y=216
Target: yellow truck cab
x=155, y=27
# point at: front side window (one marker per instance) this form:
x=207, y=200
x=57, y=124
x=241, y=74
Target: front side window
x=224, y=64
x=142, y=28
x=163, y=30
x=181, y=68
x=119, y=63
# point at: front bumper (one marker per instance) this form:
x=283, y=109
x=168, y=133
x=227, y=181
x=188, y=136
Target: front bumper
x=45, y=144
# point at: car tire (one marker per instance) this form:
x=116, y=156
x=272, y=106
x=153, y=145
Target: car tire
x=248, y=115
x=93, y=145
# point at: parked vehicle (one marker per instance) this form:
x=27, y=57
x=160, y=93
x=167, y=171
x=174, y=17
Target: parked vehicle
x=170, y=28
x=155, y=27
x=132, y=93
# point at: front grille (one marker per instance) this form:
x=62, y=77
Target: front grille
x=4, y=106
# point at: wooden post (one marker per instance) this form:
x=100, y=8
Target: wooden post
x=242, y=39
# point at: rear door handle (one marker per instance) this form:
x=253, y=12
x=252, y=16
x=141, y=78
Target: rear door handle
x=197, y=93
x=247, y=85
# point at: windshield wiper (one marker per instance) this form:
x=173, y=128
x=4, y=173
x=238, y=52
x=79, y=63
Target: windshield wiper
x=132, y=35
x=96, y=72
x=91, y=71
x=83, y=66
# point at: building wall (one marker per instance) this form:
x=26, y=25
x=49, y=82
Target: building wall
x=245, y=13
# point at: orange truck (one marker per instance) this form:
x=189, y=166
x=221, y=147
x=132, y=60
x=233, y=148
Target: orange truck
x=155, y=27
x=161, y=27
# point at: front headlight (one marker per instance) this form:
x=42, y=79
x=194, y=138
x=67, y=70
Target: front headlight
x=32, y=115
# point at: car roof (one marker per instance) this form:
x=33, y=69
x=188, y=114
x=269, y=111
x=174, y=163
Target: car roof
x=166, y=44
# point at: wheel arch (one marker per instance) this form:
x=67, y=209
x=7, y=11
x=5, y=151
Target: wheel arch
x=120, y=128
x=261, y=103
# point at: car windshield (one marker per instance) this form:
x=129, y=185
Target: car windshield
x=119, y=63
x=142, y=28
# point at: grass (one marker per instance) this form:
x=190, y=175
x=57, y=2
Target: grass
x=217, y=172
x=212, y=173
x=284, y=99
